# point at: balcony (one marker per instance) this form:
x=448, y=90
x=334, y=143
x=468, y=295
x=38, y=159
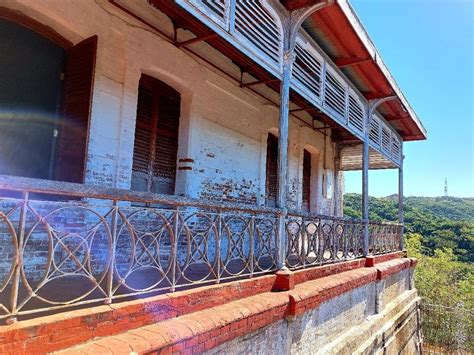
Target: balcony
x=66, y=245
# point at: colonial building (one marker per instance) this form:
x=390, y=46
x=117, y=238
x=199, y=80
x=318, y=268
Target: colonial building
x=178, y=160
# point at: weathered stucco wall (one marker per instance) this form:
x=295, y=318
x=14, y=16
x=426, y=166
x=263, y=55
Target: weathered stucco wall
x=223, y=129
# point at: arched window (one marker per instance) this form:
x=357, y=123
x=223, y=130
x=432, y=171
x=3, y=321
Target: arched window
x=272, y=170
x=306, y=198
x=45, y=99
x=310, y=179
x=156, y=137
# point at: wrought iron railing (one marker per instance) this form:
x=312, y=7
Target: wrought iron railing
x=64, y=245
x=447, y=330
x=315, y=239
x=384, y=237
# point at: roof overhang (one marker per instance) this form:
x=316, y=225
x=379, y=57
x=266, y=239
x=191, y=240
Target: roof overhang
x=340, y=33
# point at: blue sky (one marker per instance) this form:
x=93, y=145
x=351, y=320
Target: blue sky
x=428, y=47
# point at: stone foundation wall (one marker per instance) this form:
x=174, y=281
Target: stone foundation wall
x=379, y=317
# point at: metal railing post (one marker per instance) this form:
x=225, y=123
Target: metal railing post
x=110, y=276
x=281, y=243
x=252, y=249
x=218, y=245
x=174, y=249
x=19, y=260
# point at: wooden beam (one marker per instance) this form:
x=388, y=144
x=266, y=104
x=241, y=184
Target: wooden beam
x=259, y=82
x=195, y=40
x=375, y=95
x=347, y=62
x=304, y=109
x=392, y=118
x=292, y=5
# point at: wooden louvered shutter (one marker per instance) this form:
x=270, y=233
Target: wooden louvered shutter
x=272, y=170
x=306, y=181
x=77, y=99
x=166, y=147
x=156, y=137
x=143, y=136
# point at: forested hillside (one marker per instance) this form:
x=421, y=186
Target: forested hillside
x=439, y=232
x=443, y=222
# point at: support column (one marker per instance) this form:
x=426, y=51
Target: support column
x=288, y=59
x=373, y=104
x=365, y=193
x=337, y=198
x=291, y=22
x=400, y=202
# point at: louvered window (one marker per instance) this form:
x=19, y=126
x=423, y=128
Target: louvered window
x=334, y=95
x=307, y=70
x=396, y=149
x=306, y=200
x=386, y=139
x=272, y=170
x=374, y=133
x=214, y=9
x=156, y=137
x=356, y=113
x=259, y=28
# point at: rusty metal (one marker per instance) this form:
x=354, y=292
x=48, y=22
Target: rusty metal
x=87, y=251
x=384, y=237
x=316, y=239
x=104, y=245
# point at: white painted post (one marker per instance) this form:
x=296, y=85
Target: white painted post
x=337, y=191
x=365, y=181
x=365, y=194
x=291, y=24
x=288, y=58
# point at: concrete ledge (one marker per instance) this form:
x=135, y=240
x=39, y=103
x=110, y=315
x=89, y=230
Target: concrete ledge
x=390, y=267
x=317, y=272
x=311, y=294
x=372, y=260
x=196, y=332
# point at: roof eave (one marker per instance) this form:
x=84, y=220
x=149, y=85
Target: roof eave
x=377, y=59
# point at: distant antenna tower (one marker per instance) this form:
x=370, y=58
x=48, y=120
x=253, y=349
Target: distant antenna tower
x=445, y=187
